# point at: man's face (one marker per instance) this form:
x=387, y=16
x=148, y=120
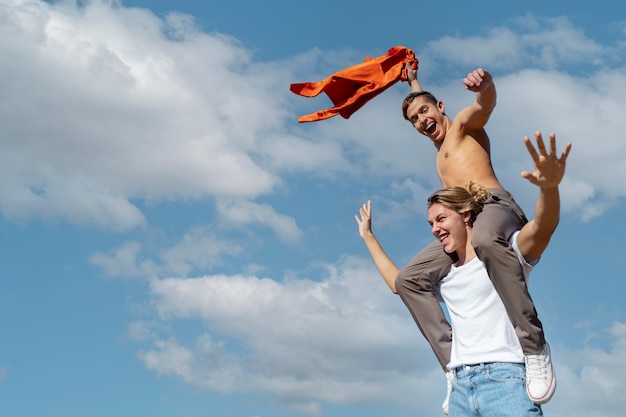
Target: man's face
x=427, y=118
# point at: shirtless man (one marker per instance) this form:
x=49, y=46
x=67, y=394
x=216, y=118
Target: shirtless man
x=463, y=155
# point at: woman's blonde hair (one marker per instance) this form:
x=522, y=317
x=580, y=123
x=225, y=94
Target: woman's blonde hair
x=462, y=200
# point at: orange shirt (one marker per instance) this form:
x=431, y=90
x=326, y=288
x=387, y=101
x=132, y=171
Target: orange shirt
x=352, y=87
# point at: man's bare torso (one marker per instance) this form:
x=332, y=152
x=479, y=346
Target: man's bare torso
x=465, y=156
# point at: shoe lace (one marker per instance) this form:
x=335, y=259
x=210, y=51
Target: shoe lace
x=536, y=366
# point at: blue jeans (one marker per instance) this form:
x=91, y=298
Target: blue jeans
x=495, y=389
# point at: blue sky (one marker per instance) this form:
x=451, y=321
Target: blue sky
x=174, y=243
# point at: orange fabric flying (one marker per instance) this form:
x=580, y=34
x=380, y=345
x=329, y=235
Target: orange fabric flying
x=352, y=87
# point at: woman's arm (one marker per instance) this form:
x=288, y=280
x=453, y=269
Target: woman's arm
x=547, y=175
x=388, y=270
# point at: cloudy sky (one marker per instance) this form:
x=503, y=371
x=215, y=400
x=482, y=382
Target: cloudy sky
x=174, y=243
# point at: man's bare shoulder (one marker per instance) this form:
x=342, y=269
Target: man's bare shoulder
x=457, y=131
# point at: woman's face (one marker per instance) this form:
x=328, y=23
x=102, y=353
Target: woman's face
x=449, y=227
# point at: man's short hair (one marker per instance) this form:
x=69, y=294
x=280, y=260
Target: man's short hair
x=409, y=99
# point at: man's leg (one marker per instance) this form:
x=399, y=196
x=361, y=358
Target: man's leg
x=490, y=237
x=415, y=284
x=500, y=218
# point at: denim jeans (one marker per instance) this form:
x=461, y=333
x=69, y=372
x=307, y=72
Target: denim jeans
x=495, y=389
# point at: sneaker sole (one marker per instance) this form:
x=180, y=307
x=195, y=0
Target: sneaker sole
x=549, y=394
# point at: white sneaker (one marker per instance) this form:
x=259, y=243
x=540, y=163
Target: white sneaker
x=446, y=402
x=540, y=379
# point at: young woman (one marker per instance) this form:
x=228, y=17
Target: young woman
x=487, y=366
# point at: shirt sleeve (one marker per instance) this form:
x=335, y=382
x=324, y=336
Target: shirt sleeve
x=522, y=261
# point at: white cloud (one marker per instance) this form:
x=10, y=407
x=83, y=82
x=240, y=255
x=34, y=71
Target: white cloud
x=199, y=249
x=528, y=41
x=101, y=97
x=342, y=340
x=499, y=42
x=243, y=213
x=589, y=378
x=125, y=261
x=208, y=365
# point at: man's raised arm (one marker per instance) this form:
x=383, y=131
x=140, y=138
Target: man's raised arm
x=477, y=114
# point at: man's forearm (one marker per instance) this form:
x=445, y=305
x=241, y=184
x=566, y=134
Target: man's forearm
x=416, y=87
x=487, y=99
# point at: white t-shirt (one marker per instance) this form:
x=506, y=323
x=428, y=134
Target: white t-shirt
x=481, y=329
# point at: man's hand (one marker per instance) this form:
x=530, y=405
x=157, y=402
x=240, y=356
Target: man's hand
x=411, y=78
x=549, y=169
x=411, y=74
x=477, y=80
